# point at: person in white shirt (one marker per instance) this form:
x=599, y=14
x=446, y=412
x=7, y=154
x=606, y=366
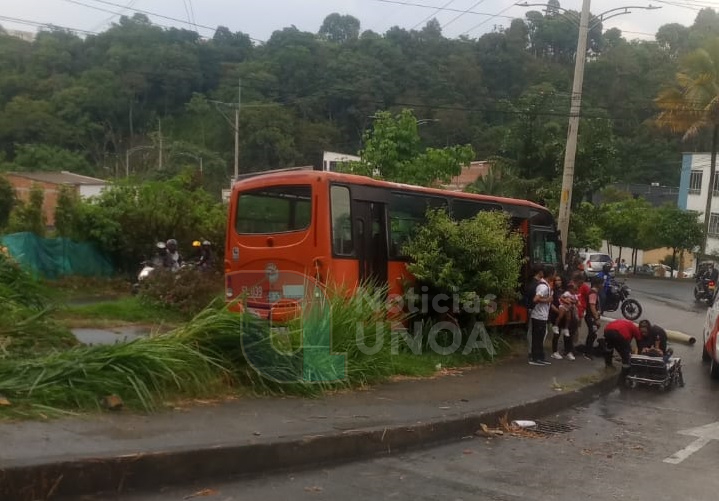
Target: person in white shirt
x=539, y=316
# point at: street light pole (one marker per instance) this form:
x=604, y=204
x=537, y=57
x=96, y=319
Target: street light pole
x=565, y=202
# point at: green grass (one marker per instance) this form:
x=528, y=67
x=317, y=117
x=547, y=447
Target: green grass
x=127, y=309
x=219, y=352
x=71, y=288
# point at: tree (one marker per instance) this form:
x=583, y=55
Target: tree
x=66, y=211
x=340, y=29
x=675, y=228
x=692, y=104
x=623, y=222
x=7, y=201
x=393, y=151
x=29, y=216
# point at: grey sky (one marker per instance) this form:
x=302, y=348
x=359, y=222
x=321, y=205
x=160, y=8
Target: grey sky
x=259, y=18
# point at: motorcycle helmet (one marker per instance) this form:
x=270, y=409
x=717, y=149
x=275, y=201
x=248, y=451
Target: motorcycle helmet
x=206, y=243
x=607, y=268
x=160, y=245
x=196, y=243
x=172, y=241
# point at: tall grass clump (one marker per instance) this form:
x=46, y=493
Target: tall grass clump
x=25, y=327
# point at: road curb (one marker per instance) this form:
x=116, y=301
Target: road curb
x=223, y=461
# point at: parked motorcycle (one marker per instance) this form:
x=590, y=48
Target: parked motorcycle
x=704, y=291
x=618, y=299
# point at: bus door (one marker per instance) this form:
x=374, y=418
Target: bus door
x=369, y=214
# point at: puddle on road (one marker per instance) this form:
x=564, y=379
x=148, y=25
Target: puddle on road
x=90, y=336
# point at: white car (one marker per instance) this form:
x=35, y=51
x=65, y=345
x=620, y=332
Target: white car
x=710, y=340
x=593, y=262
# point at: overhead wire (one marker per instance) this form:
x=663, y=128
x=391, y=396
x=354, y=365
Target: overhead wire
x=455, y=18
x=39, y=24
x=437, y=11
x=498, y=14
x=103, y=23
x=168, y=18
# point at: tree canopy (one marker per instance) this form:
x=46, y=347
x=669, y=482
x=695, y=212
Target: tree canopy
x=87, y=101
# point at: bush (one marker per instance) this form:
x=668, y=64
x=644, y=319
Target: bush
x=473, y=259
x=187, y=290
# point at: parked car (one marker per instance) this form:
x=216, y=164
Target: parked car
x=710, y=339
x=593, y=262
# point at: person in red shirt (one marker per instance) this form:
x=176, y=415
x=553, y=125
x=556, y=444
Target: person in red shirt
x=618, y=335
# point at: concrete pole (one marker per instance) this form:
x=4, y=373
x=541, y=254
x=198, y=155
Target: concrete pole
x=565, y=202
x=237, y=131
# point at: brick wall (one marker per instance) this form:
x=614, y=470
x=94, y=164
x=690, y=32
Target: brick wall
x=22, y=191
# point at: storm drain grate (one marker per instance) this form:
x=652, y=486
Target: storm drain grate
x=551, y=428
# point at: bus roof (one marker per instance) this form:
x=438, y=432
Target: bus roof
x=308, y=176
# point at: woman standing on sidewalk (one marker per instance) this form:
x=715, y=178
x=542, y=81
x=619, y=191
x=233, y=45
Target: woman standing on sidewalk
x=557, y=291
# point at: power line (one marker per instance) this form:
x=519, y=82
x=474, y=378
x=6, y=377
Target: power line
x=498, y=14
x=128, y=6
x=462, y=14
x=38, y=24
x=168, y=18
x=434, y=7
x=438, y=10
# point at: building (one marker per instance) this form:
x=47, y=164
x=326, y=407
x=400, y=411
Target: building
x=330, y=160
x=468, y=176
x=51, y=182
x=694, y=190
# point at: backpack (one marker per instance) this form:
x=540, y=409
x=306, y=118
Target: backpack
x=529, y=292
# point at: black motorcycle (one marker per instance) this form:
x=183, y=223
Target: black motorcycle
x=704, y=291
x=618, y=298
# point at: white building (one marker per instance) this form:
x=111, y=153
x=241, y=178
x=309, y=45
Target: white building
x=330, y=160
x=693, y=192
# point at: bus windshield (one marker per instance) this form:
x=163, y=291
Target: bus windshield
x=276, y=209
x=545, y=247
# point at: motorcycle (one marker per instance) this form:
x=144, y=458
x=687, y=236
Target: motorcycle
x=618, y=298
x=704, y=291
x=147, y=268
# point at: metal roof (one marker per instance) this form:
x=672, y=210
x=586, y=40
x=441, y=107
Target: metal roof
x=63, y=177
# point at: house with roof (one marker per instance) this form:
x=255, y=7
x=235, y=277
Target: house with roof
x=469, y=174
x=51, y=182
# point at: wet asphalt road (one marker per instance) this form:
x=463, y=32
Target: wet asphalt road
x=621, y=448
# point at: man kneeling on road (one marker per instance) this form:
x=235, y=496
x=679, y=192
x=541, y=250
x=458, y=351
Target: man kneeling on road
x=654, y=340
x=618, y=336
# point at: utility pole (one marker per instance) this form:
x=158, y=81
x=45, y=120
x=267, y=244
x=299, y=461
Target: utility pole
x=160, y=132
x=237, y=130
x=565, y=202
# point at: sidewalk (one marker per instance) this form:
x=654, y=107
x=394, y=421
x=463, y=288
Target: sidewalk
x=257, y=435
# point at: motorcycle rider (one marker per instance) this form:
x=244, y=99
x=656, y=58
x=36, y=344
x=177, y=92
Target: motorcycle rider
x=711, y=274
x=174, y=259
x=206, y=258
x=606, y=289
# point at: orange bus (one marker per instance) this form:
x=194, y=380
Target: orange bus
x=347, y=229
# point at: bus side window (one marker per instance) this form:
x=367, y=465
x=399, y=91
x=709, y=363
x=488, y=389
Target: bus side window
x=467, y=209
x=342, y=242
x=406, y=212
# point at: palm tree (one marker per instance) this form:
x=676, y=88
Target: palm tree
x=691, y=104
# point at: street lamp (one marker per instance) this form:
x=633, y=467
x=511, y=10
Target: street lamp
x=130, y=152
x=570, y=152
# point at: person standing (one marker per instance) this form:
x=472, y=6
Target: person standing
x=540, y=314
x=530, y=291
x=592, y=316
x=618, y=335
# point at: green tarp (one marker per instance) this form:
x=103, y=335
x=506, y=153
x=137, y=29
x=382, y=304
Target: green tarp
x=56, y=257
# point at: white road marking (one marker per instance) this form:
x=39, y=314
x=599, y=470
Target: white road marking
x=704, y=434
